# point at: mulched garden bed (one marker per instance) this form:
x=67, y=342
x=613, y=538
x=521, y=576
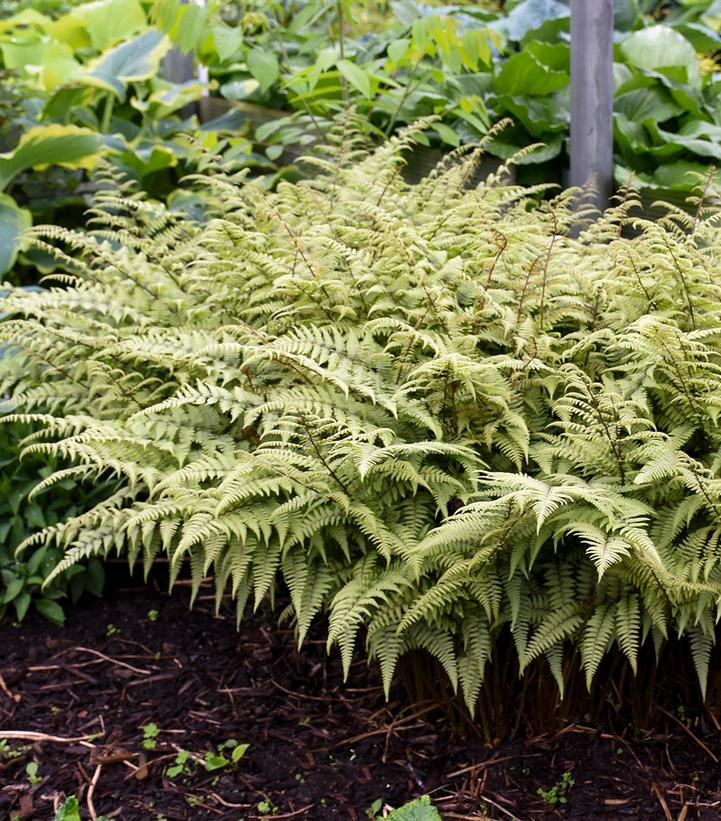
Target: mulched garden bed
x=318, y=748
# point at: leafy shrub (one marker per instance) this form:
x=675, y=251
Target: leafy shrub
x=431, y=411
x=21, y=581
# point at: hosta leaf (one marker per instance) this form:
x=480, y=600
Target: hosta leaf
x=14, y=221
x=660, y=47
x=110, y=21
x=136, y=59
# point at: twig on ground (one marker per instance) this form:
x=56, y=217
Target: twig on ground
x=27, y=735
x=480, y=766
x=662, y=801
x=287, y=814
x=91, y=789
x=16, y=697
x=690, y=733
x=115, y=662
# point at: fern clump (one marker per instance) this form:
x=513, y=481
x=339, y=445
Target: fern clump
x=438, y=414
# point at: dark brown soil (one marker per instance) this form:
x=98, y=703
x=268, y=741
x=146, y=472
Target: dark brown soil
x=319, y=749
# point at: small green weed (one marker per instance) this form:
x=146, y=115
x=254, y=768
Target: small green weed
x=558, y=793
x=150, y=735
x=31, y=771
x=187, y=763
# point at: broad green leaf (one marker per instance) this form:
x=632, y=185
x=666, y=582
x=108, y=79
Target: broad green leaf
x=660, y=47
x=14, y=221
x=13, y=589
x=51, y=610
x=356, y=76
x=110, y=21
x=70, y=810
x=447, y=134
x=21, y=605
x=512, y=140
x=419, y=810
x=529, y=15
x=27, y=18
x=398, y=49
x=164, y=13
x=46, y=63
x=190, y=27
x=680, y=176
x=539, y=116
x=540, y=69
x=668, y=144
x=137, y=59
x=71, y=31
x=170, y=98
x=228, y=41
x=263, y=65
x=239, y=89
x=66, y=145
x=647, y=103
x=702, y=38
x=238, y=752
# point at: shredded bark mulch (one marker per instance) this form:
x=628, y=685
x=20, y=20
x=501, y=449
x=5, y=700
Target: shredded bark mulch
x=102, y=708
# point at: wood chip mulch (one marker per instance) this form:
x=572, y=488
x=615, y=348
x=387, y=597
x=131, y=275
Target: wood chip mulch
x=74, y=703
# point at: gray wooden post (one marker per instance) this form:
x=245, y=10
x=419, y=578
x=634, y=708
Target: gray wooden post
x=592, y=96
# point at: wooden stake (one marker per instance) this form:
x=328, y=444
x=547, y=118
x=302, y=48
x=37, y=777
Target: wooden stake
x=592, y=96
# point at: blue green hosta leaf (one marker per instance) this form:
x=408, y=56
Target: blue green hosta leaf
x=66, y=145
x=529, y=15
x=660, y=47
x=137, y=59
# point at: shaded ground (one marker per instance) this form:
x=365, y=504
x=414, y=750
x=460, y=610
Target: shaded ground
x=318, y=749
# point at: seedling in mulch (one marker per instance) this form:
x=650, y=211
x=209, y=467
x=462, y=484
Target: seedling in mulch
x=150, y=734
x=375, y=808
x=153, y=615
x=31, y=771
x=187, y=763
x=7, y=752
x=264, y=807
x=558, y=794
x=112, y=630
x=70, y=811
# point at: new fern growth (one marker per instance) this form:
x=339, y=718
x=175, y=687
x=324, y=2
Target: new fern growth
x=430, y=411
